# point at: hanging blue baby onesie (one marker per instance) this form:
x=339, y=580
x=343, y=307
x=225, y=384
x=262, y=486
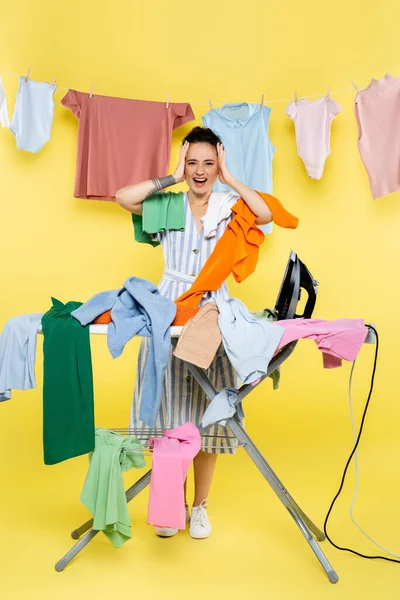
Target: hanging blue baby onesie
x=32, y=119
x=243, y=129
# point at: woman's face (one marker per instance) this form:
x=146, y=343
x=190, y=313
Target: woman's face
x=201, y=168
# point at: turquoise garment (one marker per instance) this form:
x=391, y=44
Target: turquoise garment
x=160, y=212
x=103, y=492
x=270, y=315
x=243, y=129
x=68, y=412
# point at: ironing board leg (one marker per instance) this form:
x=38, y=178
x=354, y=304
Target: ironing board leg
x=133, y=491
x=306, y=526
x=65, y=560
x=76, y=534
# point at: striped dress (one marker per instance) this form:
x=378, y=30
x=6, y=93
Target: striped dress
x=183, y=400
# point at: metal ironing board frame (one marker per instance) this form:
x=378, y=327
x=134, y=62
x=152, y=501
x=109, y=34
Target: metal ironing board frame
x=311, y=532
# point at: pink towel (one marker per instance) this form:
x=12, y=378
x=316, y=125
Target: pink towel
x=338, y=339
x=172, y=455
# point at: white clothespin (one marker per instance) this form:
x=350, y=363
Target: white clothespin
x=329, y=92
x=91, y=90
x=262, y=101
x=54, y=82
x=27, y=75
x=168, y=99
x=295, y=97
x=355, y=86
x=209, y=104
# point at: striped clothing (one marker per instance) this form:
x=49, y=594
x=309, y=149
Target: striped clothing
x=183, y=400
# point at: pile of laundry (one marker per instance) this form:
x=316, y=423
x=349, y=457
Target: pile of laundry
x=250, y=341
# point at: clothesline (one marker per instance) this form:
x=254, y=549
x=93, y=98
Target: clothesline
x=211, y=102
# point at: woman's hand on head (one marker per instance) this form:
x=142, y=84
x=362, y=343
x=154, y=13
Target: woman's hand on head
x=179, y=173
x=224, y=174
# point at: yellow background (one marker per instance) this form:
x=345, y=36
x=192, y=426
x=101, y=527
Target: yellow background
x=53, y=244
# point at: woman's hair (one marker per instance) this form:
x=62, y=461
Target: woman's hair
x=202, y=135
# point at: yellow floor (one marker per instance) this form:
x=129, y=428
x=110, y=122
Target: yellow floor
x=255, y=551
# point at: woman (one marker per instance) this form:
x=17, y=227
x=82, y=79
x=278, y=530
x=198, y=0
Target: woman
x=201, y=161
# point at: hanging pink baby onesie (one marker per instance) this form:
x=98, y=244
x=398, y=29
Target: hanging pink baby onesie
x=172, y=455
x=377, y=110
x=312, y=120
x=337, y=340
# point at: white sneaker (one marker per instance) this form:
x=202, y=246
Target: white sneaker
x=170, y=531
x=200, y=526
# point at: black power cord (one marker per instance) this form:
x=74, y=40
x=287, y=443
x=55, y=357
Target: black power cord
x=349, y=461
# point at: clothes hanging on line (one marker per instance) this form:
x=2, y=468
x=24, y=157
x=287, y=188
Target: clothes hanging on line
x=68, y=406
x=160, y=212
x=377, y=109
x=312, y=120
x=18, y=354
x=103, y=492
x=243, y=129
x=172, y=456
x=32, y=120
x=121, y=141
x=4, y=120
x=138, y=308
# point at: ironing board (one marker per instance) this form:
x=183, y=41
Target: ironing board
x=287, y=302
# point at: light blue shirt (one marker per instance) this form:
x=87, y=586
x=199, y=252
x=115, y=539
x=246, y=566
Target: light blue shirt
x=137, y=309
x=243, y=129
x=221, y=408
x=250, y=343
x=18, y=354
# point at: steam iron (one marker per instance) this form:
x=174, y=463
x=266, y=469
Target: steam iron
x=296, y=278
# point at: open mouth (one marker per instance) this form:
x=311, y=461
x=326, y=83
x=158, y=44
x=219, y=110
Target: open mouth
x=200, y=180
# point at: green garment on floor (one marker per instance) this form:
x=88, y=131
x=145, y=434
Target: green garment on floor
x=103, y=491
x=68, y=415
x=270, y=315
x=160, y=212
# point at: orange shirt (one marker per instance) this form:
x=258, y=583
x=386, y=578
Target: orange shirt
x=237, y=250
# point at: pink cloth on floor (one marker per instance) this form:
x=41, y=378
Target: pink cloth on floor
x=338, y=339
x=172, y=455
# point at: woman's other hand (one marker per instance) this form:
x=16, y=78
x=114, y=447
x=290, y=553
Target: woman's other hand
x=179, y=173
x=224, y=174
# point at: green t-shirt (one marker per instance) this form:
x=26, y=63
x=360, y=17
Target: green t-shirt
x=161, y=211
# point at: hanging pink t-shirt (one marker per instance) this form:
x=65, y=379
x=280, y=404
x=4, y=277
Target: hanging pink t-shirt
x=121, y=141
x=377, y=110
